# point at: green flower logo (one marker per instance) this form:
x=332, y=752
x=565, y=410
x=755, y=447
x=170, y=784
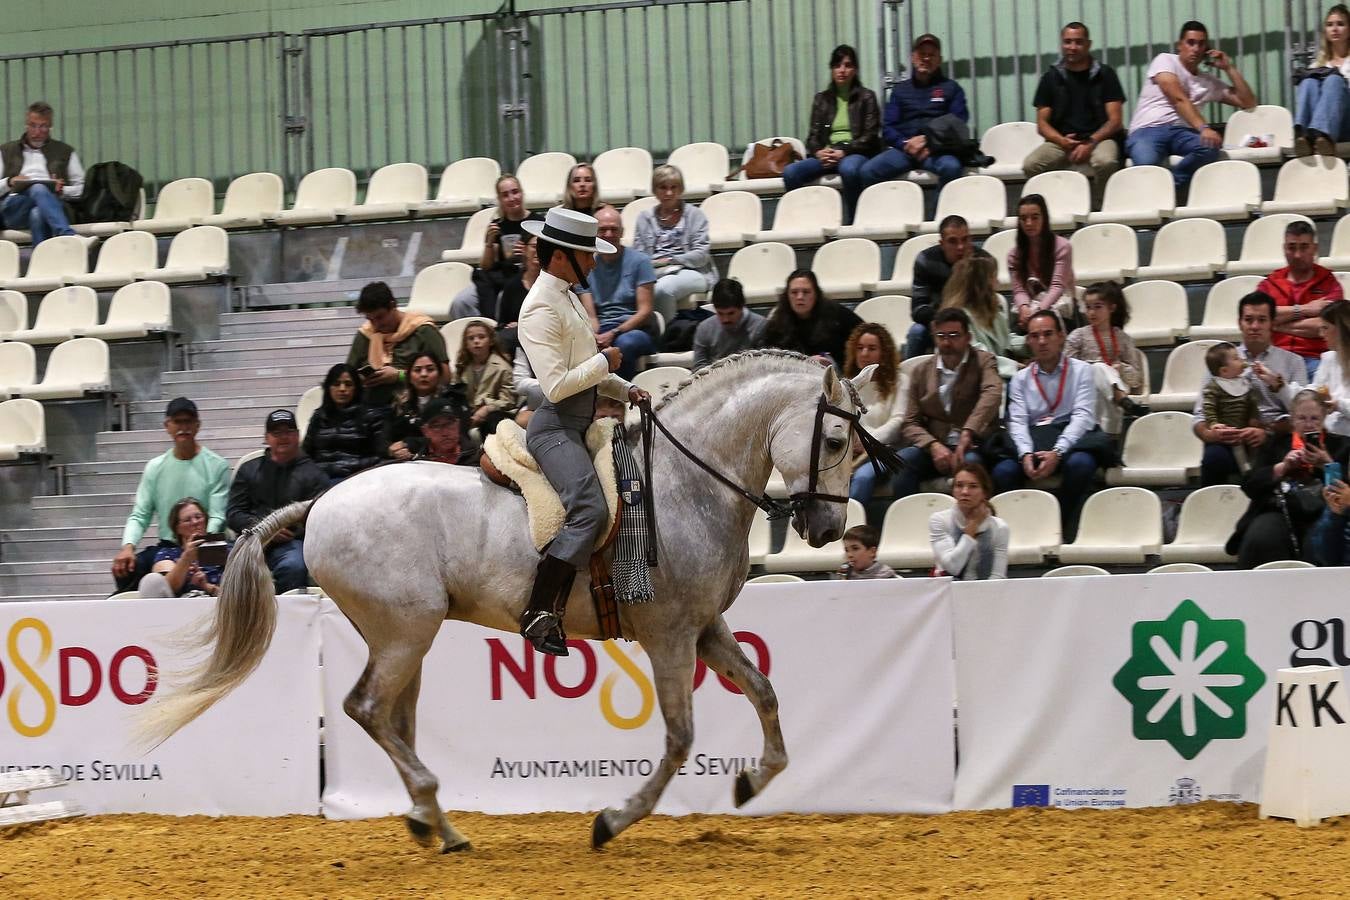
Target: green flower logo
x=1188, y=679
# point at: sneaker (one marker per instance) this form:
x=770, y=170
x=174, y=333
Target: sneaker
x=1302, y=146
x=1324, y=146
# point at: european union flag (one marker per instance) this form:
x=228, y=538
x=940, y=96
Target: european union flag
x=1031, y=795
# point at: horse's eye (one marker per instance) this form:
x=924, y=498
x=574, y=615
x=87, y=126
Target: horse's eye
x=835, y=444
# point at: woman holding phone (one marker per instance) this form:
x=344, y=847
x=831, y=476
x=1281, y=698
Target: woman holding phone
x=185, y=568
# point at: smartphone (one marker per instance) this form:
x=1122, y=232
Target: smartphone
x=1312, y=439
x=1331, y=473
x=214, y=550
x=366, y=371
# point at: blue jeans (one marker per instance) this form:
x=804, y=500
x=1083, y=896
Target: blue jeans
x=1326, y=540
x=1321, y=106
x=38, y=210
x=1313, y=363
x=806, y=171
x=918, y=341
x=1076, y=472
x=889, y=165
x=634, y=344
x=287, y=562
x=918, y=467
x=1152, y=146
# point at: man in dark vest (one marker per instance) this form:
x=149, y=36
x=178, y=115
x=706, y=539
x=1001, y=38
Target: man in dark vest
x=38, y=173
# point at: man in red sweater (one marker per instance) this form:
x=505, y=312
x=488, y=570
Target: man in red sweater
x=1301, y=290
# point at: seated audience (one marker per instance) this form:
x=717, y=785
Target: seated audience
x=1270, y=369
x=1229, y=400
x=733, y=329
x=1285, y=486
x=1078, y=112
x=1332, y=381
x=952, y=406
x=1040, y=265
x=1167, y=119
x=619, y=301
x=1321, y=97
x=932, y=268
x=441, y=424
x=388, y=341
x=806, y=321
x=281, y=476
x=845, y=131
x=187, y=470
x=1052, y=423
x=176, y=570
x=503, y=256
x=583, y=190
x=402, y=439
x=513, y=294
x=970, y=543
x=871, y=344
x=343, y=436
x=39, y=175
x=1329, y=539
x=1117, y=364
x=860, y=555
x=675, y=235
x=484, y=371
x=1301, y=290
x=972, y=288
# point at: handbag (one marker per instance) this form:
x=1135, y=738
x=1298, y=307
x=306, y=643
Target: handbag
x=768, y=160
x=1095, y=442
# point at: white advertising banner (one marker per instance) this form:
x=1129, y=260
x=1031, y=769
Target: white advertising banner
x=75, y=675
x=863, y=673
x=1131, y=690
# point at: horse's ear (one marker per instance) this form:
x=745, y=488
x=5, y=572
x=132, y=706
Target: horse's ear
x=831, y=386
x=862, y=378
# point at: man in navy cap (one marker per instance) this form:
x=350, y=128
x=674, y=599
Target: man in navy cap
x=281, y=476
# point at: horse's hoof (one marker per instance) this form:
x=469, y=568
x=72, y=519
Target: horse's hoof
x=744, y=791
x=601, y=833
x=457, y=848
x=421, y=832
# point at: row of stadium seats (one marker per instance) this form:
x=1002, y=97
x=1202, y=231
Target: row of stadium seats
x=195, y=254
x=75, y=369
x=136, y=310
x=1074, y=571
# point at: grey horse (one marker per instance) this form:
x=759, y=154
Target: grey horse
x=402, y=548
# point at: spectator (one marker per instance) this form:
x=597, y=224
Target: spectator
x=860, y=555
x=845, y=131
x=1269, y=371
x=583, y=191
x=1078, y=112
x=1330, y=538
x=281, y=476
x=388, y=342
x=970, y=543
x=38, y=173
x=952, y=406
x=402, y=438
x=513, y=294
x=1332, y=381
x=926, y=95
x=972, y=288
x=441, y=422
x=1321, y=97
x=176, y=570
x=1040, y=265
x=1229, y=399
x=485, y=373
x=1301, y=290
x=343, y=436
x=1285, y=487
x=1117, y=364
x=1052, y=422
x=619, y=301
x=871, y=344
x=932, y=268
x=804, y=320
x=1167, y=118
x=503, y=256
x=188, y=470
x=675, y=235
x=733, y=329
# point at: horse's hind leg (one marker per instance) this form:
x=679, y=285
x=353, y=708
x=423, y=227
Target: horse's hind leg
x=673, y=667
x=718, y=648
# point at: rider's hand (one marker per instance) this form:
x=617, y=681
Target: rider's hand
x=637, y=395
x=614, y=356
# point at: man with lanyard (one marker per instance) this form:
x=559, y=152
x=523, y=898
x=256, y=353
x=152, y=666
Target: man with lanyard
x=560, y=344
x=1051, y=409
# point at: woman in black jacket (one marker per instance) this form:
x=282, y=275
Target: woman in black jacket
x=343, y=434
x=805, y=321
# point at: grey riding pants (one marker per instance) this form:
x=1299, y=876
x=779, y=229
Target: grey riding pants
x=556, y=437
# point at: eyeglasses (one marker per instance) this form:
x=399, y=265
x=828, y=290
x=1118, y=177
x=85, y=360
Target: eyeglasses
x=948, y=335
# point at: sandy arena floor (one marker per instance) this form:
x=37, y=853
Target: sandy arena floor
x=1207, y=850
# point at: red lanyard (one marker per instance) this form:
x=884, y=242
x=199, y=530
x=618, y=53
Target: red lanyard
x=1101, y=348
x=1063, y=377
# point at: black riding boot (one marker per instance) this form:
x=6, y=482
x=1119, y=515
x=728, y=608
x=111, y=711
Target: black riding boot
x=542, y=620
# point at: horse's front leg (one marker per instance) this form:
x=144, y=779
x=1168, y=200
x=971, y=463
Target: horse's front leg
x=673, y=667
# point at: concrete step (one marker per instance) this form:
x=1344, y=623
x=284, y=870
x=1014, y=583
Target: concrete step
x=47, y=544
x=56, y=578
x=289, y=322
x=120, y=476
x=143, y=451
x=295, y=351
x=225, y=412
x=63, y=502
x=243, y=383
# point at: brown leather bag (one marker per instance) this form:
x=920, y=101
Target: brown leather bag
x=768, y=160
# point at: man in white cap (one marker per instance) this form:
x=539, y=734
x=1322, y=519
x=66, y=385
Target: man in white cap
x=560, y=345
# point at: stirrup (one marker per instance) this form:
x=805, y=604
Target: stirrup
x=543, y=629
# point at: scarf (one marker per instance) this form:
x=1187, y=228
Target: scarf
x=629, y=572
x=983, y=558
x=381, y=352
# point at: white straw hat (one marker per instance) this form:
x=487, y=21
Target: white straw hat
x=568, y=228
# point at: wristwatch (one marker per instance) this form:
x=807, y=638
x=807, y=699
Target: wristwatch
x=1298, y=311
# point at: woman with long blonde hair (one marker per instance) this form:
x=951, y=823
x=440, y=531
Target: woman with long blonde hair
x=1322, y=97
x=971, y=288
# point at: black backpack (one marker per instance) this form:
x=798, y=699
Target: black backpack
x=111, y=192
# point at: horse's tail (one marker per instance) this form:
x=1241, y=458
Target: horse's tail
x=238, y=633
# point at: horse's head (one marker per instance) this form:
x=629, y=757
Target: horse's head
x=812, y=448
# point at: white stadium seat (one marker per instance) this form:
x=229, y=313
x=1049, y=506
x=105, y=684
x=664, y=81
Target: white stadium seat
x=319, y=196
x=779, y=578
x=904, y=531
x=1220, y=319
x=74, y=368
x=197, y=254
x=1160, y=450
x=1264, y=121
x=310, y=400
x=470, y=249
x=59, y=315
x=981, y=200
x=902, y=271
x=842, y=267
x=998, y=246
x=136, y=310
x=52, y=262
x=1075, y=572
x=731, y=216
x=624, y=174
x=1157, y=312
x=1284, y=564
x=1068, y=195
x=13, y=312
x=466, y=186
x=702, y=164
x=1313, y=185
x=453, y=334
x=18, y=368
x=1120, y=526
x=802, y=215
x=1106, y=252
x=1263, y=245
x=1182, y=376
x=887, y=211
x=1207, y=520
x=629, y=215
x=760, y=540
x=762, y=269
x=1009, y=143
x=543, y=178
x=1187, y=250
x=743, y=182
x=23, y=428
x=891, y=310
x=1224, y=190
x=1338, y=254
x=394, y=190
x=661, y=380
x=1137, y=195
x=1033, y=521
x=1178, y=568
x=799, y=556
x=120, y=259
x=435, y=288
x=180, y=204
x=250, y=200
x=9, y=261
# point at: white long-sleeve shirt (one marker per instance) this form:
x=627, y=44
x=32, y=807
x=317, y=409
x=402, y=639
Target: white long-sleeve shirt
x=560, y=344
x=1028, y=406
x=35, y=166
x=953, y=556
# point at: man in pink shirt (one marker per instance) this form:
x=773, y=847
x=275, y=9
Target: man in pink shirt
x=1167, y=118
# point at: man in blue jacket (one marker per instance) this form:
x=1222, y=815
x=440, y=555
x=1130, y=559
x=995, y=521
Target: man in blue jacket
x=914, y=103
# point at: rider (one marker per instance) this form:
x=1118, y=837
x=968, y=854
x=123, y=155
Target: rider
x=557, y=338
